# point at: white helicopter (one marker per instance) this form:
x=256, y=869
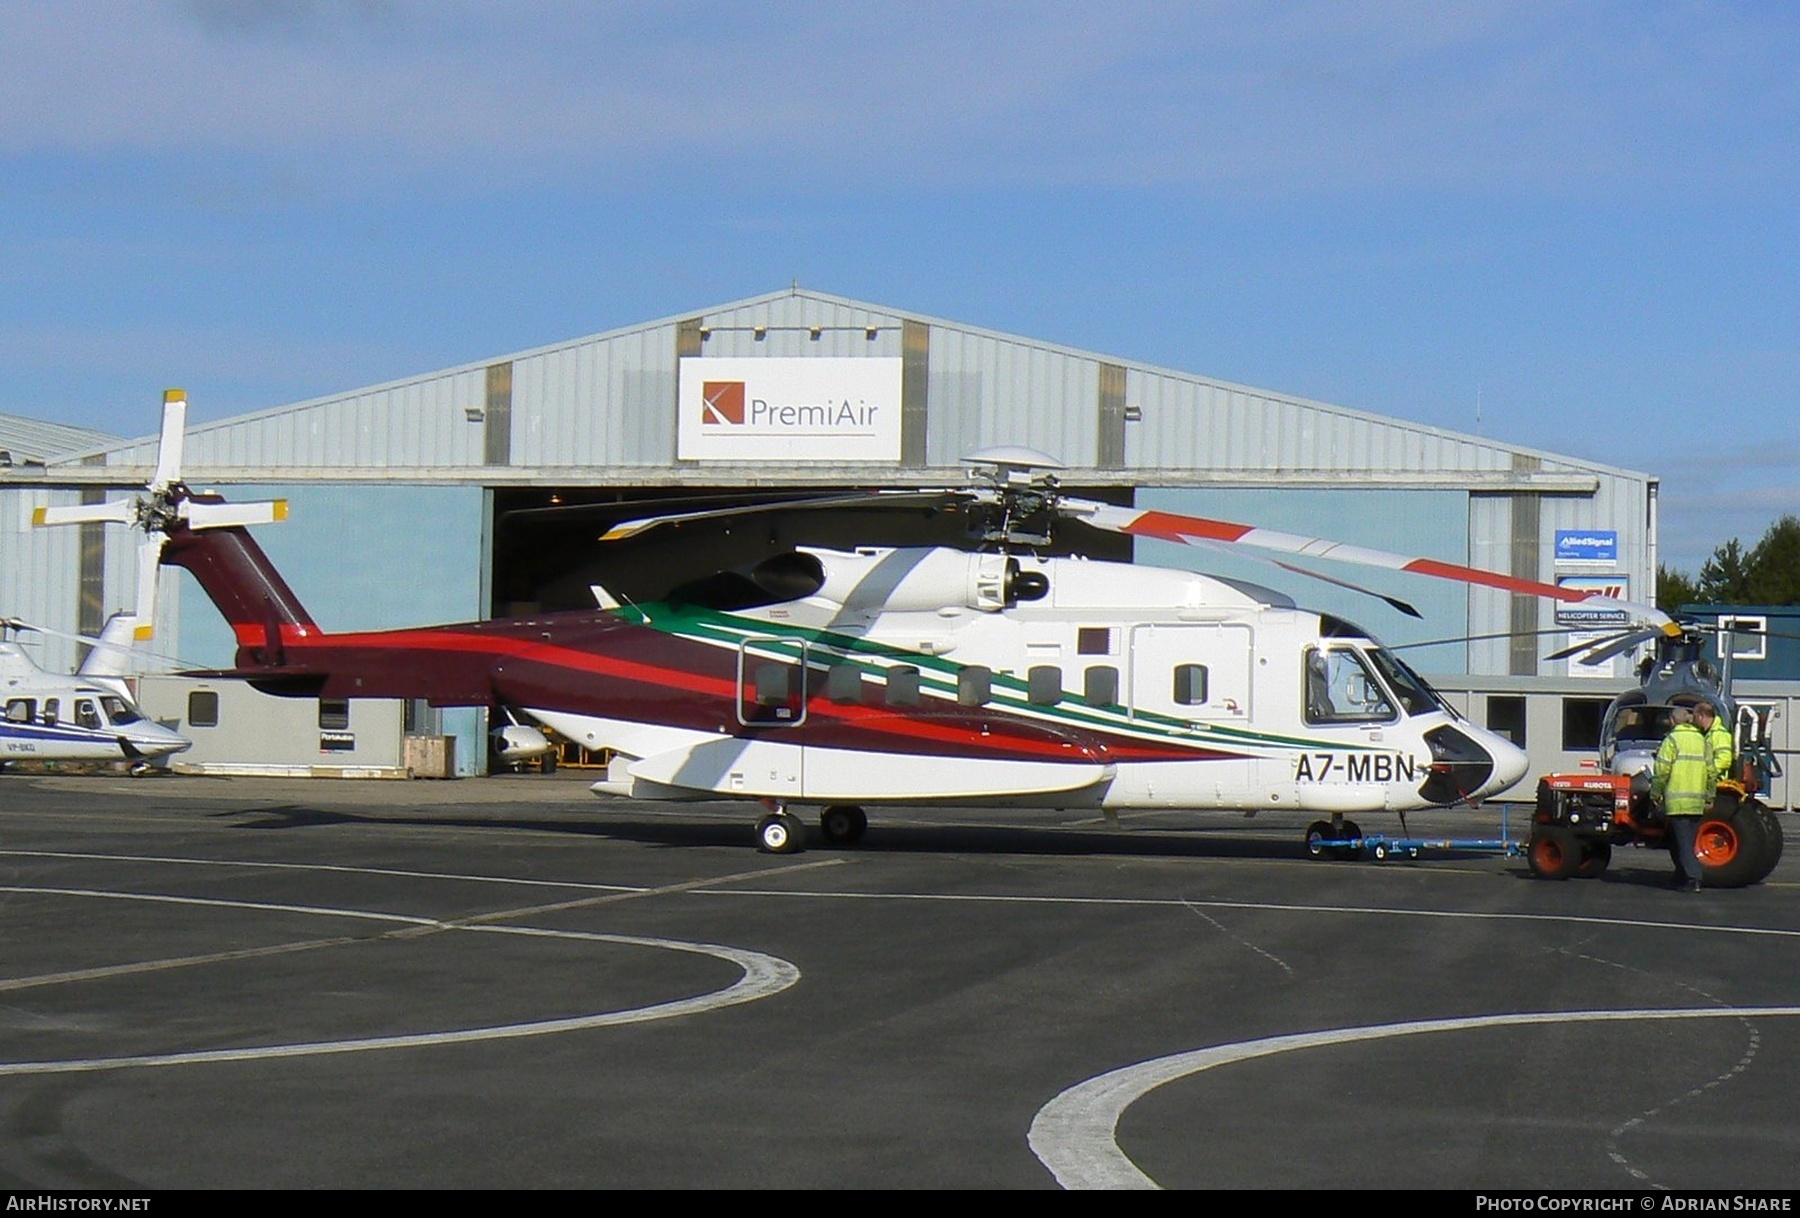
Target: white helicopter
x=89, y=716
x=917, y=676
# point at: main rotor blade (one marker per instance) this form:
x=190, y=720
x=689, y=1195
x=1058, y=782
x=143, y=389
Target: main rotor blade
x=1394, y=601
x=173, y=439
x=631, y=528
x=113, y=511
x=1604, y=649
x=203, y=515
x=1187, y=530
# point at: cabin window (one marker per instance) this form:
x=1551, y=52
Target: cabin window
x=1341, y=689
x=21, y=710
x=974, y=685
x=1095, y=641
x=52, y=712
x=774, y=684
x=86, y=716
x=1100, y=685
x=118, y=711
x=1581, y=723
x=770, y=692
x=203, y=708
x=1043, y=684
x=843, y=684
x=334, y=714
x=1190, y=684
x=1506, y=717
x=903, y=685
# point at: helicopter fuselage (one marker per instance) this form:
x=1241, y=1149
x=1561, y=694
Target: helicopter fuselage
x=939, y=675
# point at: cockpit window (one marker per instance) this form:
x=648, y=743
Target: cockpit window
x=119, y=712
x=86, y=715
x=1341, y=689
x=1408, y=686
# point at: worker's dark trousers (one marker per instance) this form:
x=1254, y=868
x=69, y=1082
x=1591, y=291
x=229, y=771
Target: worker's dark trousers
x=1682, y=832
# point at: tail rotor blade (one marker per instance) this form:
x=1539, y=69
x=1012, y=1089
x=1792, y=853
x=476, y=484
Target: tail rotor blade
x=149, y=552
x=174, y=437
x=233, y=515
x=114, y=511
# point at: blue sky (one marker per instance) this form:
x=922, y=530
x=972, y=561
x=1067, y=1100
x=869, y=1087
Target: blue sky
x=1575, y=221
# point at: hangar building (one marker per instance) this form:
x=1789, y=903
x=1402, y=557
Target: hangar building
x=481, y=490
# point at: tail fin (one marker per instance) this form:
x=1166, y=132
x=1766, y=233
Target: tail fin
x=111, y=655
x=246, y=587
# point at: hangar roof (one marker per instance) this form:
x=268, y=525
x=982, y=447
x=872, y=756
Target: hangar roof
x=29, y=441
x=602, y=409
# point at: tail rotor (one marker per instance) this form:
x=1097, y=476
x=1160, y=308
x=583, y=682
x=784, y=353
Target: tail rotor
x=166, y=506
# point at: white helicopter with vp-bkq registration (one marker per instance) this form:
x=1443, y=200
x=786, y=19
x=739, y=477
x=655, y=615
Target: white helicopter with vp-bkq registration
x=90, y=716
x=841, y=680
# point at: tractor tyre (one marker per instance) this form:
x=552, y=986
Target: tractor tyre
x=1595, y=855
x=1729, y=849
x=1553, y=853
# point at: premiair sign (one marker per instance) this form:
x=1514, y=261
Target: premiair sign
x=781, y=409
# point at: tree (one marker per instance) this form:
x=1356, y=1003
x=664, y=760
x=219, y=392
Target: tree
x=1775, y=565
x=1725, y=577
x=1768, y=574
x=1674, y=589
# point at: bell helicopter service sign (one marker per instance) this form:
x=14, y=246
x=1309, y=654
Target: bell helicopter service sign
x=1615, y=587
x=778, y=409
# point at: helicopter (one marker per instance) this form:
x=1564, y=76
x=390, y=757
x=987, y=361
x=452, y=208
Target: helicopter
x=840, y=679
x=89, y=716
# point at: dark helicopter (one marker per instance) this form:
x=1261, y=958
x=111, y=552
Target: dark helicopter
x=1579, y=818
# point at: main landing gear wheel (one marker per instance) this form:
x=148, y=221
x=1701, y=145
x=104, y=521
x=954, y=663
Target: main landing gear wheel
x=1553, y=853
x=780, y=833
x=1321, y=833
x=1317, y=834
x=844, y=823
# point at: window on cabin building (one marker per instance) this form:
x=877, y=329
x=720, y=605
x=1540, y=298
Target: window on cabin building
x=203, y=708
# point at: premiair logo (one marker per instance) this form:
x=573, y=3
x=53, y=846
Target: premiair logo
x=725, y=404
x=788, y=408
x=722, y=403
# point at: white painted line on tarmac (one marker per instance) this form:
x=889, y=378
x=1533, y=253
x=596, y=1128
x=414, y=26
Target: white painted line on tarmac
x=764, y=975
x=1075, y=1135
x=1190, y=904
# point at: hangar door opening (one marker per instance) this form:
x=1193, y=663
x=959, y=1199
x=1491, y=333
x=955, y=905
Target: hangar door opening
x=547, y=553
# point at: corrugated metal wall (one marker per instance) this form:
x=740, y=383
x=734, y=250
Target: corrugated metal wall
x=601, y=410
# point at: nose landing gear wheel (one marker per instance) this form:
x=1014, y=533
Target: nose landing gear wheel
x=780, y=833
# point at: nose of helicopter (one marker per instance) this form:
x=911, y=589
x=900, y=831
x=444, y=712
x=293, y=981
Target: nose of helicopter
x=152, y=740
x=1510, y=764
x=1468, y=763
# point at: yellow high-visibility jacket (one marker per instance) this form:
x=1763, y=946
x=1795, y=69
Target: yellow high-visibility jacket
x=1682, y=781
x=1719, y=752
